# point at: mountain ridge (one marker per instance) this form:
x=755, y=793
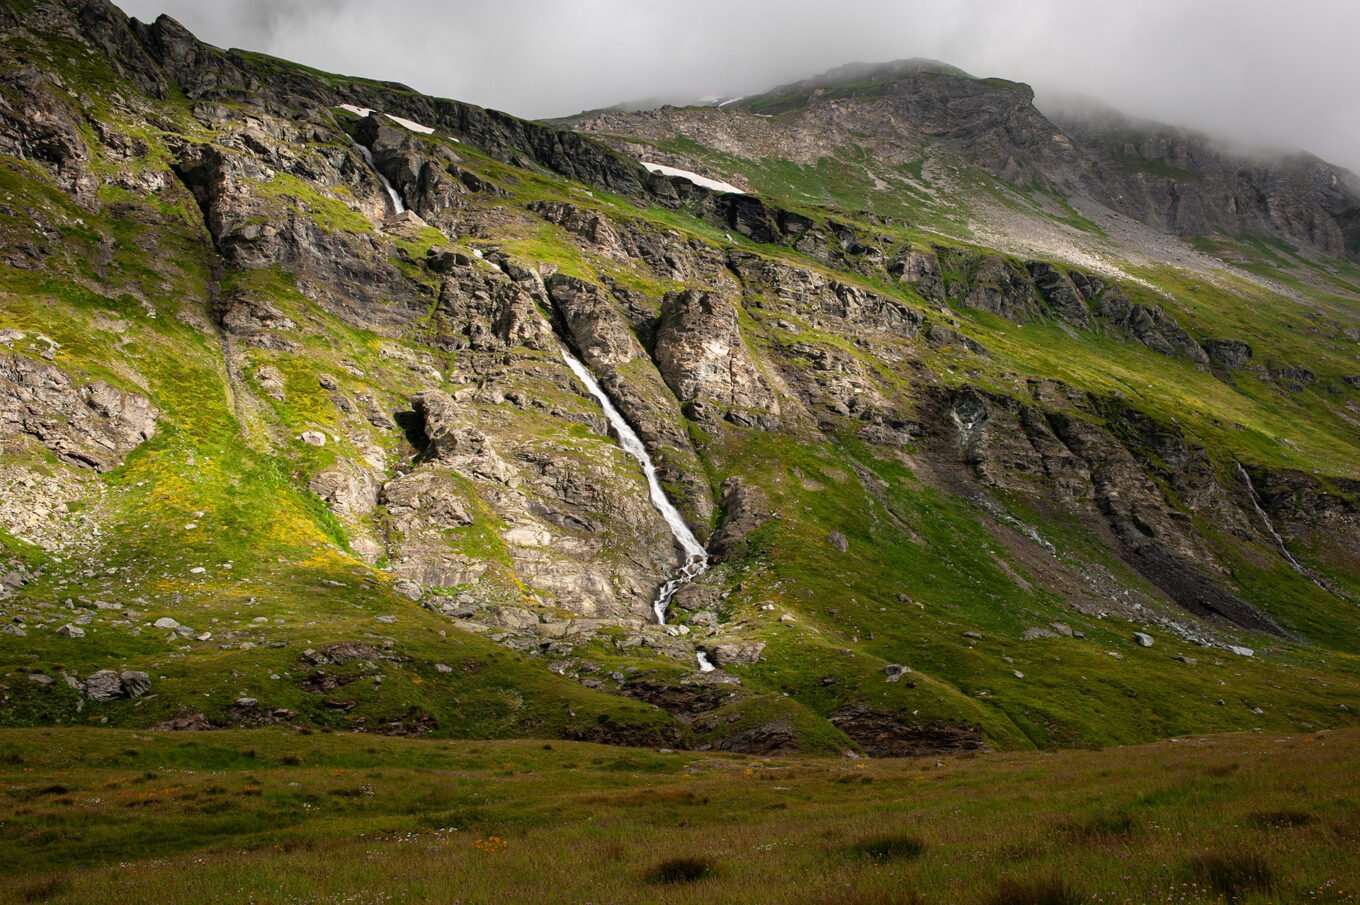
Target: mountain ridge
x=1163, y=176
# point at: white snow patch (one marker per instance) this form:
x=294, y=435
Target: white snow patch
x=410, y=124
x=404, y=123
x=714, y=184
x=732, y=101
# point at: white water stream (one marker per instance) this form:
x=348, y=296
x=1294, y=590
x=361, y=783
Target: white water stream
x=398, y=206
x=1270, y=526
x=696, y=557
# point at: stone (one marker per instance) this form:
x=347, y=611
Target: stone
x=895, y=671
x=103, y=685
x=41, y=679
x=839, y=541
x=973, y=636
x=270, y=379
x=1241, y=651
x=313, y=438
x=166, y=622
x=71, y=631
x=1143, y=639
x=735, y=653
x=135, y=683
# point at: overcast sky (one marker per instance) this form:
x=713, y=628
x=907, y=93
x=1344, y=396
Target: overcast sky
x=1279, y=72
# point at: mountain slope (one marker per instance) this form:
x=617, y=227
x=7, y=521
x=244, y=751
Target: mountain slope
x=942, y=486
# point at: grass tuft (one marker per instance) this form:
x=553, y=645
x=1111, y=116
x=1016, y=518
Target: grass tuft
x=1100, y=829
x=883, y=849
x=1046, y=891
x=685, y=869
x=1280, y=820
x=1233, y=875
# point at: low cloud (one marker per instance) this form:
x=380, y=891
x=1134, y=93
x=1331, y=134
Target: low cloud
x=1257, y=71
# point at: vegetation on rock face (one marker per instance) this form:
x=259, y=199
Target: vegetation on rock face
x=953, y=441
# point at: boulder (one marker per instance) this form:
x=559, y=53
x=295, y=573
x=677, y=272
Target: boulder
x=134, y=683
x=736, y=653
x=102, y=686
x=1229, y=354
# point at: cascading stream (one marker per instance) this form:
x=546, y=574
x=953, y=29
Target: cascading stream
x=696, y=557
x=398, y=206
x=1265, y=520
x=1275, y=535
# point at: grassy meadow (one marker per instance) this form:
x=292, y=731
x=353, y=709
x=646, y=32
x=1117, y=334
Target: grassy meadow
x=279, y=816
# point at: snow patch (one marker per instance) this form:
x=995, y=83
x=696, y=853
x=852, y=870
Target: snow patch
x=713, y=184
x=404, y=123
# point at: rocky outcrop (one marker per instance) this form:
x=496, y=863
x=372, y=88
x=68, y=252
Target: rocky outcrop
x=744, y=509
x=1106, y=455
x=93, y=425
x=1001, y=287
x=823, y=302
x=452, y=440
x=483, y=311
x=883, y=734
x=1060, y=295
x=1148, y=324
x=703, y=358
x=1229, y=354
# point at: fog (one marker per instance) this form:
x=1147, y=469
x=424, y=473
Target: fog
x=1263, y=72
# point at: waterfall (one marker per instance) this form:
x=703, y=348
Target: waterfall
x=696, y=557
x=705, y=664
x=398, y=206
x=1270, y=526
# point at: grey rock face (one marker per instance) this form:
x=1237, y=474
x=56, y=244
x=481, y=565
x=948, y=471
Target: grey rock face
x=1003, y=288
x=1230, y=354
x=134, y=683
x=921, y=269
x=1060, y=295
x=701, y=355
x=743, y=510
x=92, y=425
x=455, y=442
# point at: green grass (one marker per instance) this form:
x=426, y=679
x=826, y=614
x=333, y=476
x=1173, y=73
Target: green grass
x=272, y=815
